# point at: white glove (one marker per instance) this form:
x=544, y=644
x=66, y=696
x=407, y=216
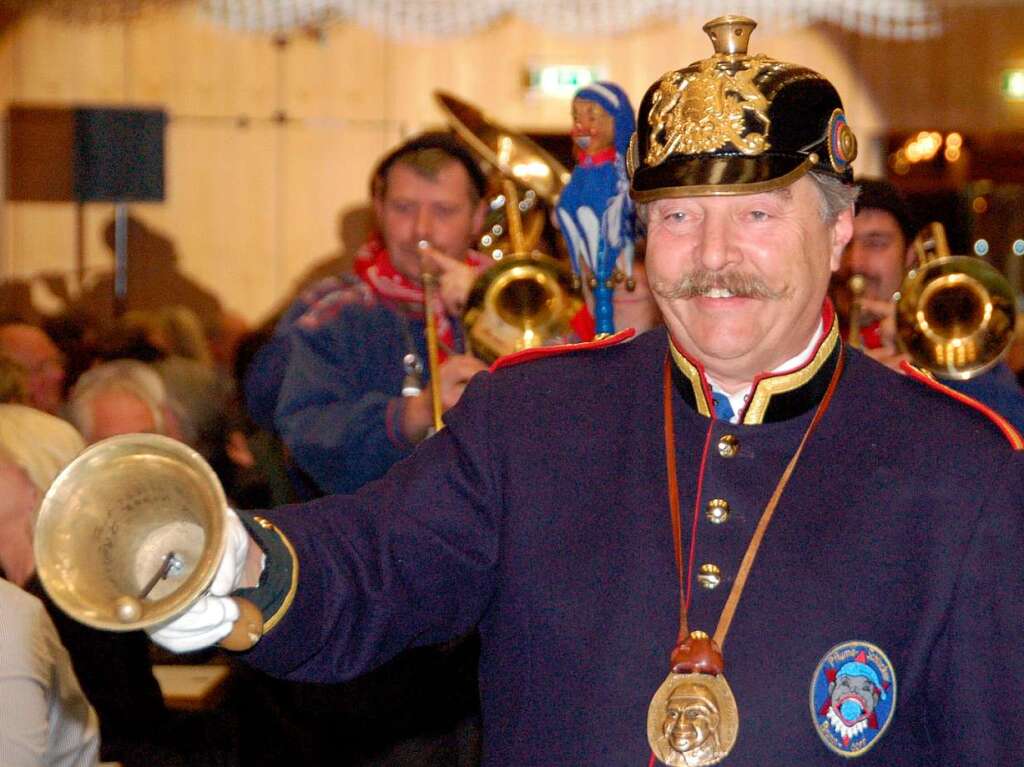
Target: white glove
x=210, y=619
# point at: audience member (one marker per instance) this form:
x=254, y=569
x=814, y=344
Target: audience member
x=172, y=341
x=225, y=332
x=122, y=397
x=75, y=335
x=183, y=334
x=126, y=340
x=45, y=719
x=12, y=383
x=41, y=360
x=34, y=448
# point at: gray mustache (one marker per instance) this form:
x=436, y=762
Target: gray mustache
x=702, y=282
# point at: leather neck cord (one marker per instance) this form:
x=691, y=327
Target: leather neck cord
x=725, y=619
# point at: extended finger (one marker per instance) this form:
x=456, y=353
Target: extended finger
x=439, y=258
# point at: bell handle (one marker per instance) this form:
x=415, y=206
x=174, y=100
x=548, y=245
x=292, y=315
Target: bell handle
x=247, y=630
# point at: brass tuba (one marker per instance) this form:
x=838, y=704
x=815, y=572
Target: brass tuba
x=955, y=315
x=527, y=298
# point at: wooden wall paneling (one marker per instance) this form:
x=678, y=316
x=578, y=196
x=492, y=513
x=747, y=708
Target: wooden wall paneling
x=182, y=60
x=8, y=36
x=59, y=61
x=339, y=73
x=42, y=237
x=41, y=253
x=324, y=209
x=1008, y=47
x=268, y=143
x=414, y=71
x=7, y=46
x=950, y=82
x=960, y=77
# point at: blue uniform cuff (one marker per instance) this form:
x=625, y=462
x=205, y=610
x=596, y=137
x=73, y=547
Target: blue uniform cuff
x=279, y=579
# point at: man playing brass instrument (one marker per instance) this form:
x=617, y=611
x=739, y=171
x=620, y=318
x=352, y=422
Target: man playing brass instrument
x=881, y=252
x=331, y=382
x=732, y=473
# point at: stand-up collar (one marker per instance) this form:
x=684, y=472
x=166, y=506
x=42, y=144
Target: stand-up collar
x=773, y=396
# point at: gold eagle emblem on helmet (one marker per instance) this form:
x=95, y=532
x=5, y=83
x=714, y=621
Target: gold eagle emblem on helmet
x=704, y=110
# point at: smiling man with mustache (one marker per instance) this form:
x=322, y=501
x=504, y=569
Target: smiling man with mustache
x=704, y=510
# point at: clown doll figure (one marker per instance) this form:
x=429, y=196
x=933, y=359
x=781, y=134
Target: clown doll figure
x=595, y=213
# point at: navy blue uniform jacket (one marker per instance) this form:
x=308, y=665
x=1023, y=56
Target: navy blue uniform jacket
x=540, y=514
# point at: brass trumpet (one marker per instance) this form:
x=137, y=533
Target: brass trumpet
x=955, y=315
x=855, y=286
x=429, y=280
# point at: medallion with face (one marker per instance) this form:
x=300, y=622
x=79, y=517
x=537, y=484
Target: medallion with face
x=692, y=720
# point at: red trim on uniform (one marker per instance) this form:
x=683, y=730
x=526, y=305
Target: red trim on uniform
x=538, y=352
x=699, y=366
x=1012, y=435
x=828, y=316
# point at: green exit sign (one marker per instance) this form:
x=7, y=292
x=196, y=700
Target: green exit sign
x=1013, y=84
x=561, y=80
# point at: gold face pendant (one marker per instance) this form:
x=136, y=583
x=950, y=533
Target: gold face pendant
x=692, y=720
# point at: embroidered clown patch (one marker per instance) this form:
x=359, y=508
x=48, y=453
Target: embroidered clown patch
x=853, y=697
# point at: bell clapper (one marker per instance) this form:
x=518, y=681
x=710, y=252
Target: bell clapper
x=172, y=565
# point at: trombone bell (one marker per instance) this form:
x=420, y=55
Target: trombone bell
x=955, y=316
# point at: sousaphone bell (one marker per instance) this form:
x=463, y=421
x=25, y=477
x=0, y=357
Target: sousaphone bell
x=507, y=154
x=130, y=535
x=527, y=298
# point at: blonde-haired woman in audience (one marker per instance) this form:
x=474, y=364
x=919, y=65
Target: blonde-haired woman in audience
x=34, y=448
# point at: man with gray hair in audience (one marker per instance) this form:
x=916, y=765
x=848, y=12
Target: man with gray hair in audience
x=123, y=397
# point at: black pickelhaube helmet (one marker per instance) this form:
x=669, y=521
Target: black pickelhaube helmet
x=736, y=124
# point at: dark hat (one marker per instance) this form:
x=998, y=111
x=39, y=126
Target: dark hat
x=876, y=194
x=737, y=124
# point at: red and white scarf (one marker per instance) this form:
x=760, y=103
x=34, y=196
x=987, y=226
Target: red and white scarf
x=374, y=267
